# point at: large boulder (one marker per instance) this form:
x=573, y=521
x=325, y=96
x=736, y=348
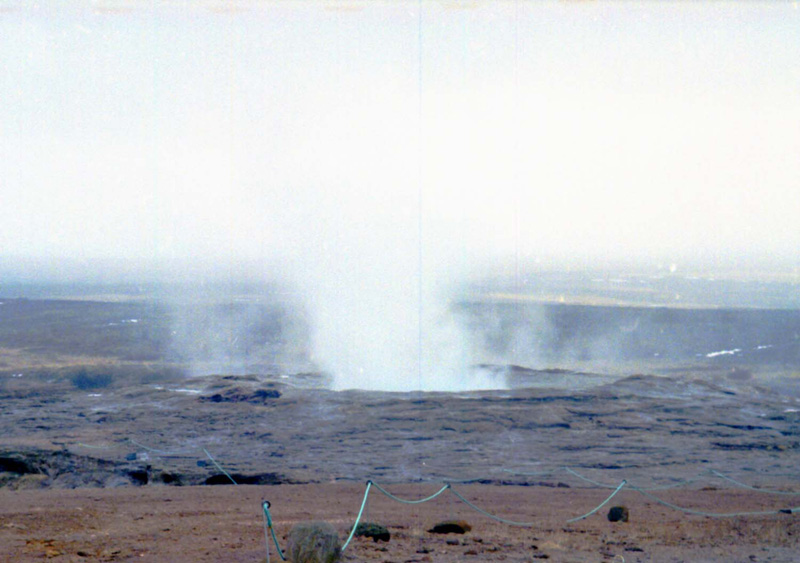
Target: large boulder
x=451, y=527
x=618, y=514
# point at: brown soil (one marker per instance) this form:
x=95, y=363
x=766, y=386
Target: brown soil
x=226, y=523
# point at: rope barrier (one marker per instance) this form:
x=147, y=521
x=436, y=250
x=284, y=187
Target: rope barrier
x=466, y=481
x=90, y=446
x=358, y=518
x=509, y=471
x=686, y=482
x=590, y=481
x=529, y=474
x=599, y=506
x=607, y=486
x=674, y=485
x=751, y=488
x=268, y=527
x=214, y=461
x=715, y=514
x=152, y=450
x=647, y=492
x=492, y=516
x=266, y=533
x=132, y=441
x=420, y=501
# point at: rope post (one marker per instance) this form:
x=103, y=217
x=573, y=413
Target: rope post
x=368, y=484
x=358, y=518
x=270, y=530
x=218, y=466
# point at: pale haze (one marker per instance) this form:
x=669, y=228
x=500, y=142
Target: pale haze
x=372, y=155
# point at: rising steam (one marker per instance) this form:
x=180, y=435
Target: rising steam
x=380, y=320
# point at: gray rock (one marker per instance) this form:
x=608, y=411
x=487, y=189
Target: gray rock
x=618, y=514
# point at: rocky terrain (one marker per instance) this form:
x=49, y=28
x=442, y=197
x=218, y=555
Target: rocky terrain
x=101, y=463
x=277, y=430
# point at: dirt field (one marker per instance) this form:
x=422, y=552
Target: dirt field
x=226, y=523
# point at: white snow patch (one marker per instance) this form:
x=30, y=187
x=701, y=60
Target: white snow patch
x=189, y=391
x=724, y=353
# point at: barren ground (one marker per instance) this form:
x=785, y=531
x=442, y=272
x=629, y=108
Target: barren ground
x=225, y=524
x=108, y=459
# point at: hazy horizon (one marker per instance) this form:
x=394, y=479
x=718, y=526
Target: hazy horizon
x=605, y=131
x=372, y=156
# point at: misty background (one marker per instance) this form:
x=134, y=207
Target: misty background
x=380, y=164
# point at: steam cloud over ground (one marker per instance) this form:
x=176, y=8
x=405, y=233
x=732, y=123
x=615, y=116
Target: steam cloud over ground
x=383, y=162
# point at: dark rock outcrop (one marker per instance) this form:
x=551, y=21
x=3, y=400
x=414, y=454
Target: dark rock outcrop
x=451, y=527
x=372, y=530
x=239, y=395
x=618, y=514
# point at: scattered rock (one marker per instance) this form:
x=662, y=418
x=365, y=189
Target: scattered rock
x=37, y=468
x=451, y=527
x=167, y=478
x=241, y=479
x=313, y=542
x=372, y=530
x=240, y=395
x=618, y=514
x=29, y=482
x=85, y=380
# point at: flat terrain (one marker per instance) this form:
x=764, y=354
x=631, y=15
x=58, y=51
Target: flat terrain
x=211, y=524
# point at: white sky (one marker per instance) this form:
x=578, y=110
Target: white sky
x=172, y=131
